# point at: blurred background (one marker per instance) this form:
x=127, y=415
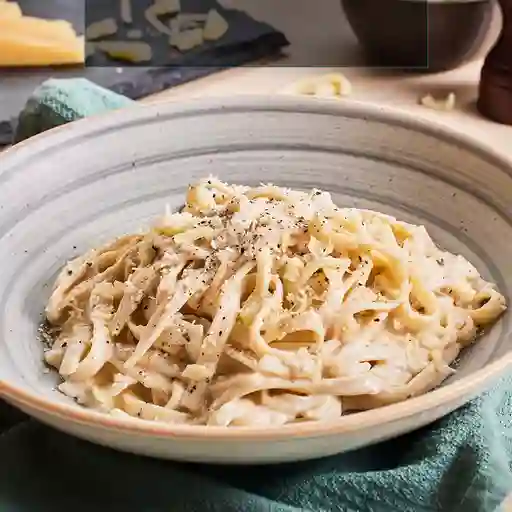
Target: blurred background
x=396, y=35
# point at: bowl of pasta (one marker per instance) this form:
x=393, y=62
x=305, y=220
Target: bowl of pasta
x=282, y=279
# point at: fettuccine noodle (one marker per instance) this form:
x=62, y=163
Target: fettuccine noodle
x=263, y=306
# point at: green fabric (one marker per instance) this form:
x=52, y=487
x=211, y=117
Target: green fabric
x=59, y=101
x=462, y=463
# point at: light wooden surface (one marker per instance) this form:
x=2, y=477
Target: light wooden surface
x=401, y=91
x=397, y=89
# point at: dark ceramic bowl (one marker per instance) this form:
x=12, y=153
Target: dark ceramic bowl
x=433, y=35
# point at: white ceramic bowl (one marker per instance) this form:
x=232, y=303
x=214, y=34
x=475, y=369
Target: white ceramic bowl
x=72, y=188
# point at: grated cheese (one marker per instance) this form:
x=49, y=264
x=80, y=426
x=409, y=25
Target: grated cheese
x=126, y=11
x=216, y=26
x=187, y=39
x=443, y=104
x=131, y=51
x=103, y=28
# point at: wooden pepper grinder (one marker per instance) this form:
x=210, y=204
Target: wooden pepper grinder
x=495, y=92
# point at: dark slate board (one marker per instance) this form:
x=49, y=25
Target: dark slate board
x=246, y=41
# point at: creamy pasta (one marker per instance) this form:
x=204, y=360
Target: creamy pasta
x=263, y=306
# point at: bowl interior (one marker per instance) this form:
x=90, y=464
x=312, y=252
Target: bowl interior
x=65, y=192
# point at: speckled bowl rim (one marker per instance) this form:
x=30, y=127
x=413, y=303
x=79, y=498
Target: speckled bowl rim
x=465, y=387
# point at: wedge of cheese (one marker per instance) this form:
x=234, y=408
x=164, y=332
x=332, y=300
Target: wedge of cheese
x=25, y=50
x=9, y=10
x=29, y=41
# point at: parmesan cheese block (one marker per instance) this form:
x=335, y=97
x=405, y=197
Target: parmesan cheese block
x=23, y=49
x=9, y=10
x=28, y=41
x=55, y=29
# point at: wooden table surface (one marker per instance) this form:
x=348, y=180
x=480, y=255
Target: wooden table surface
x=401, y=90
x=395, y=89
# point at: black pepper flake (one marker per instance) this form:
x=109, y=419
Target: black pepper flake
x=70, y=272
x=483, y=302
x=440, y=262
x=65, y=344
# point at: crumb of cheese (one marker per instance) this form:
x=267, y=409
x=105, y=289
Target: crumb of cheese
x=331, y=85
x=443, y=104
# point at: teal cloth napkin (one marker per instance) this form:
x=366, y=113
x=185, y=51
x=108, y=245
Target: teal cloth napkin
x=59, y=101
x=462, y=463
